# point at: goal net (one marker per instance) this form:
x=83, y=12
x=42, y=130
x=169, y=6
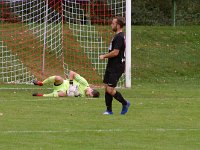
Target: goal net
x=41, y=38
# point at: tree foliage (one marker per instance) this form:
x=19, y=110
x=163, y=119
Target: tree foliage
x=157, y=12
x=144, y=12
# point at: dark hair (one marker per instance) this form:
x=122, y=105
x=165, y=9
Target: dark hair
x=95, y=93
x=120, y=21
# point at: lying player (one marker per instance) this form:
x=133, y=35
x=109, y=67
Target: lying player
x=76, y=85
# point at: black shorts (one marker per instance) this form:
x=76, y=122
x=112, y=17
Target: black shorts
x=112, y=78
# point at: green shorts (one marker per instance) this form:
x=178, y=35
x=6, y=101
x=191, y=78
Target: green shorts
x=62, y=87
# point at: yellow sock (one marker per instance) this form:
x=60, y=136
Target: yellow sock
x=49, y=80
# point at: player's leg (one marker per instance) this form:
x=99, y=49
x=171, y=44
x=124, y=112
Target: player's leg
x=108, y=101
x=117, y=95
x=53, y=94
x=110, y=88
x=108, y=97
x=57, y=80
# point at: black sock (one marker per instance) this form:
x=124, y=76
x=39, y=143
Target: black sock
x=120, y=98
x=108, y=100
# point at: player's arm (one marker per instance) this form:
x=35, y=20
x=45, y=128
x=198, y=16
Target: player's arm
x=75, y=76
x=72, y=75
x=111, y=54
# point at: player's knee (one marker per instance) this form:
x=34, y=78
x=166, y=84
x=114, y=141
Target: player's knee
x=110, y=90
x=58, y=80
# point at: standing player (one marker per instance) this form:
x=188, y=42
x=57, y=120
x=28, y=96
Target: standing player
x=61, y=88
x=115, y=67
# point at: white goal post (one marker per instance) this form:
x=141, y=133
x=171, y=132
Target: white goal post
x=128, y=44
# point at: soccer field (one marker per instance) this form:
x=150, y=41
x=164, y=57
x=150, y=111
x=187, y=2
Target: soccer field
x=164, y=112
x=160, y=117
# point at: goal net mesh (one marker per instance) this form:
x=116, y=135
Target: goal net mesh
x=41, y=38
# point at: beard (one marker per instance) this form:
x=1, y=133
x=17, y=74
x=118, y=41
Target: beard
x=114, y=29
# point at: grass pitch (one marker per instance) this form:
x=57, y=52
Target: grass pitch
x=162, y=117
x=164, y=112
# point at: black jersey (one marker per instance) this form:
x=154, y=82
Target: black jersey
x=117, y=63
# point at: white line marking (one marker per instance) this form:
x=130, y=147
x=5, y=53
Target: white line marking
x=25, y=88
x=36, y=100
x=61, y=98
x=103, y=130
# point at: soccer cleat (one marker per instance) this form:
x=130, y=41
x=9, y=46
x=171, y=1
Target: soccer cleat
x=125, y=108
x=34, y=94
x=35, y=82
x=108, y=113
x=37, y=94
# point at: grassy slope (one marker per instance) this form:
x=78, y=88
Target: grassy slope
x=163, y=115
x=165, y=54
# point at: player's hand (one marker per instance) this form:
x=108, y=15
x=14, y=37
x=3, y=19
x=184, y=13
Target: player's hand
x=101, y=57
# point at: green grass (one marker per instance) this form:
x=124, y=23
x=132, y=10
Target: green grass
x=164, y=112
x=165, y=54
x=160, y=117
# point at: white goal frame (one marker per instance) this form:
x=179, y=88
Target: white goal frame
x=128, y=44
